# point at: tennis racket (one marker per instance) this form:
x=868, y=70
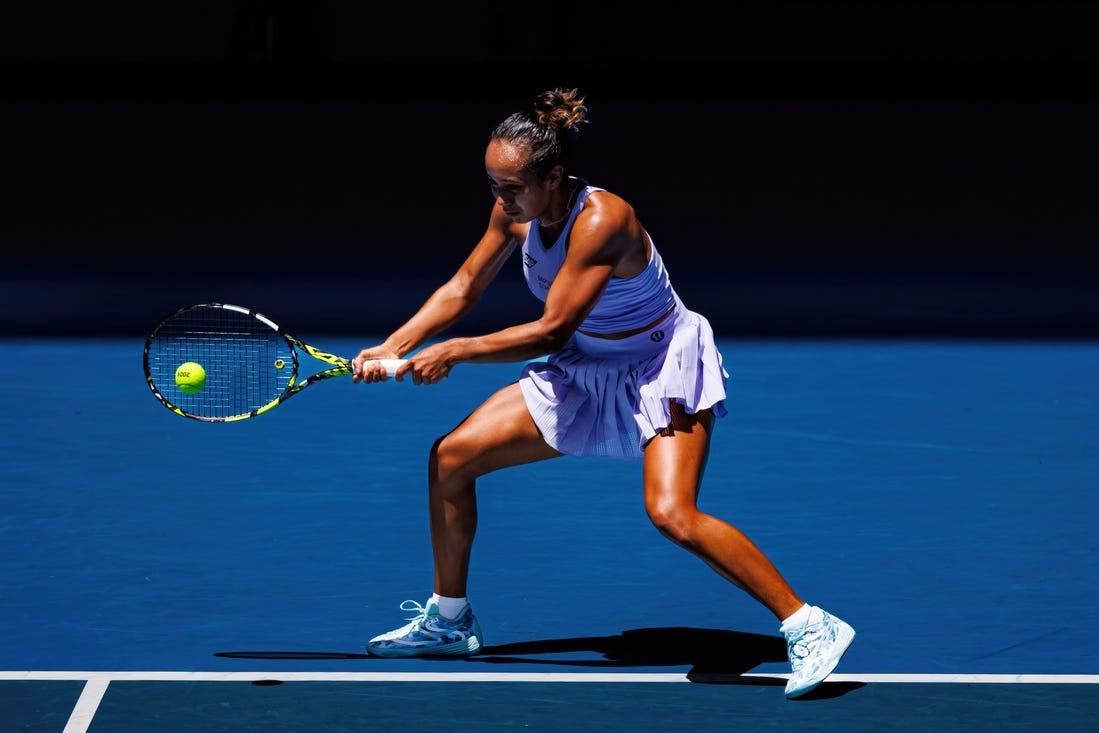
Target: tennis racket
x=250, y=363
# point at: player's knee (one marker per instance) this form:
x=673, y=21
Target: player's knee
x=673, y=520
x=442, y=457
x=449, y=461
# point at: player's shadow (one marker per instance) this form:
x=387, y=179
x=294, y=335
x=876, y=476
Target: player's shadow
x=705, y=651
x=714, y=656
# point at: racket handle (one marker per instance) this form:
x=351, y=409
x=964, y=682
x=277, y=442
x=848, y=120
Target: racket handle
x=390, y=365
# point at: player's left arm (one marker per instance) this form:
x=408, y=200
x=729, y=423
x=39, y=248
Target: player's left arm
x=605, y=240
x=603, y=236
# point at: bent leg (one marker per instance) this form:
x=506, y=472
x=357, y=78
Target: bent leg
x=674, y=463
x=497, y=434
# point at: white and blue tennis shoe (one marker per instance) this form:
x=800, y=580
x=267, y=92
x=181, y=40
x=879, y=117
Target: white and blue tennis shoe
x=429, y=634
x=815, y=647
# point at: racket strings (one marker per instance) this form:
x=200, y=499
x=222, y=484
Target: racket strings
x=248, y=364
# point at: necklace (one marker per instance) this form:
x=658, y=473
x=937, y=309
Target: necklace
x=568, y=209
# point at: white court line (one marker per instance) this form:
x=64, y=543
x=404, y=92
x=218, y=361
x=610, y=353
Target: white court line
x=86, y=706
x=1090, y=679
x=96, y=682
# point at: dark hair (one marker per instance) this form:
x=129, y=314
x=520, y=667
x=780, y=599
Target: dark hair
x=547, y=129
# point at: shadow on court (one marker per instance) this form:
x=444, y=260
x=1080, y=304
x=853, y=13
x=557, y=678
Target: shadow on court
x=706, y=651
x=714, y=656
x=825, y=691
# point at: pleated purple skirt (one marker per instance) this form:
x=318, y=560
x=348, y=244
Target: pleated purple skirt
x=607, y=398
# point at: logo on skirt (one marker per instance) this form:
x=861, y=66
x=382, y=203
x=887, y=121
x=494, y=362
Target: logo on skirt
x=657, y=336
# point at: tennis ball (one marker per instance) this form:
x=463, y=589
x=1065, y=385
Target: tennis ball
x=190, y=378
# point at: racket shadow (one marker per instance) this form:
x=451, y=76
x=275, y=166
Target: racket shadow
x=291, y=655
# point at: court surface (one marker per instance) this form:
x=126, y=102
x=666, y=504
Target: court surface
x=163, y=574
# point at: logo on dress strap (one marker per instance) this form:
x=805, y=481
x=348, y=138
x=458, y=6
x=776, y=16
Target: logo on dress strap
x=657, y=336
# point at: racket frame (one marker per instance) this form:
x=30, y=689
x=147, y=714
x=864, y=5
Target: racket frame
x=341, y=366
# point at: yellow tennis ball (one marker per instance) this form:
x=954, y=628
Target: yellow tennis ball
x=190, y=378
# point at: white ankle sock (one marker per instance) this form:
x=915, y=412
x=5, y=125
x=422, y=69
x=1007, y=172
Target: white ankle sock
x=798, y=617
x=450, y=607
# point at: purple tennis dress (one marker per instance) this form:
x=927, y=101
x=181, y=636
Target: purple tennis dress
x=607, y=398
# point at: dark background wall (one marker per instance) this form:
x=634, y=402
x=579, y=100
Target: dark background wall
x=805, y=168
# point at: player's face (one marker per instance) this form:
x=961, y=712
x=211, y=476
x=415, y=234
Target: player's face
x=519, y=192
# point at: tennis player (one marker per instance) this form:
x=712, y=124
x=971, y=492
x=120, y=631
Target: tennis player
x=633, y=374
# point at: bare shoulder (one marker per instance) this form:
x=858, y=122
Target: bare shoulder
x=607, y=209
x=608, y=228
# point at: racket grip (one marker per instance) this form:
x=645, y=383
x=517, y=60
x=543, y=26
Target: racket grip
x=390, y=365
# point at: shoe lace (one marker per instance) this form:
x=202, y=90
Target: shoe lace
x=410, y=605
x=798, y=646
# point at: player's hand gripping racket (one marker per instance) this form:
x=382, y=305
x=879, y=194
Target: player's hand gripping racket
x=221, y=363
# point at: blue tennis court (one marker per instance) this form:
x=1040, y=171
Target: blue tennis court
x=886, y=211
x=171, y=575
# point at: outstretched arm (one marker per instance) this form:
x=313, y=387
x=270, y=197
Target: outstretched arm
x=601, y=236
x=448, y=303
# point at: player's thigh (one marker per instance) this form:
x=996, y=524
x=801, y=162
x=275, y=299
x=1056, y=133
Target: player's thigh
x=676, y=458
x=499, y=433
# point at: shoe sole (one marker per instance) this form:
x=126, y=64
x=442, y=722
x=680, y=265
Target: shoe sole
x=464, y=648
x=845, y=636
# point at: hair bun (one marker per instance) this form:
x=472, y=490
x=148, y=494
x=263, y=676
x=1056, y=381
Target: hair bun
x=561, y=108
